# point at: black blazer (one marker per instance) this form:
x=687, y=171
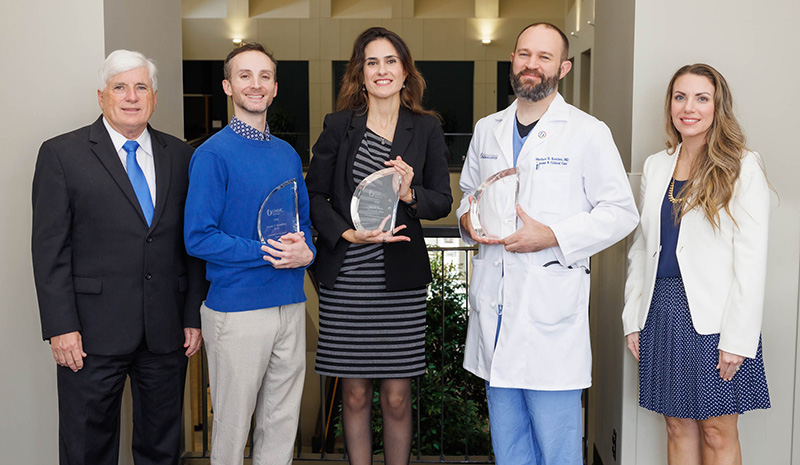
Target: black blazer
x=98, y=268
x=419, y=140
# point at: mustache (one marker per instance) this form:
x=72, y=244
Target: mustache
x=530, y=72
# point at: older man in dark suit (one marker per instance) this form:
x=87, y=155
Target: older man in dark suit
x=118, y=296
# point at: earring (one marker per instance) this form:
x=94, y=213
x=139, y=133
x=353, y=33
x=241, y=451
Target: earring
x=363, y=87
x=404, y=85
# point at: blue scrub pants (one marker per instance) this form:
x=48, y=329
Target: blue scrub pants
x=535, y=427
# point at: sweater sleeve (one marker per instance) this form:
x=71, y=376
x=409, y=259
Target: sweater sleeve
x=205, y=203
x=303, y=213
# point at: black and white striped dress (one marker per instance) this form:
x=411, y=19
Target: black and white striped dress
x=366, y=331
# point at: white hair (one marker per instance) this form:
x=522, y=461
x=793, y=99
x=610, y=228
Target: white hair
x=120, y=61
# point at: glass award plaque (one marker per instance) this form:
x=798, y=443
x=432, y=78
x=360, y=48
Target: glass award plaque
x=278, y=213
x=374, y=203
x=493, y=210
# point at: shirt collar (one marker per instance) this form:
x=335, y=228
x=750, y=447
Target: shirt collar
x=249, y=132
x=144, y=140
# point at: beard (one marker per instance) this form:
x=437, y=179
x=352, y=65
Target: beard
x=533, y=92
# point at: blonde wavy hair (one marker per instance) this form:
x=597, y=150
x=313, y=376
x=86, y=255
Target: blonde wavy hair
x=716, y=168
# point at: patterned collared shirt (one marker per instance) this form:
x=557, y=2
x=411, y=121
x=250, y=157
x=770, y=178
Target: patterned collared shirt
x=249, y=132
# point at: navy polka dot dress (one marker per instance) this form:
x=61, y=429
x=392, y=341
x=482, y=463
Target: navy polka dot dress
x=677, y=366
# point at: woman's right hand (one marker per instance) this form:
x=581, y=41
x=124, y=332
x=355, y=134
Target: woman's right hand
x=375, y=236
x=633, y=344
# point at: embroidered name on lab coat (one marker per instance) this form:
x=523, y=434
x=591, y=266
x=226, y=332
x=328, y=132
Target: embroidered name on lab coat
x=489, y=156
x=555, y=161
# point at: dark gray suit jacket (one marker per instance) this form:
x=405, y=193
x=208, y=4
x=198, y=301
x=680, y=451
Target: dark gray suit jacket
x=99, y=269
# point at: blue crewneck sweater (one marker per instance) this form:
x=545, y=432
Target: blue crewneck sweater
x=229, y=178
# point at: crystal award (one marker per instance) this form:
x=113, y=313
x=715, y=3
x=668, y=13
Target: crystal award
x=493, y=210
x=278, y=213
x=374, y=203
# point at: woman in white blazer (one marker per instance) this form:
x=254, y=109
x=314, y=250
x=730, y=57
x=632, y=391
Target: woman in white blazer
x=697, y=271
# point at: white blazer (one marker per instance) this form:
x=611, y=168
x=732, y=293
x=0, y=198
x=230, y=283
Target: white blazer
x=571, y=179
x=724, y=270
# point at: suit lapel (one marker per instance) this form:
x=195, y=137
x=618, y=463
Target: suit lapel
x=163, y=172
x=103, y=148
x=403, y=132
x=662, y=182
x=358, y=126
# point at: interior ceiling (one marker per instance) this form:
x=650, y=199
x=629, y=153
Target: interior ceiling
x=443, y=8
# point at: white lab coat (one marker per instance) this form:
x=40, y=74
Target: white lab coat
x=571, y=179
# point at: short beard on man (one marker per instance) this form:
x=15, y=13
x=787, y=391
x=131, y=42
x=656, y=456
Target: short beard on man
x=546, y=86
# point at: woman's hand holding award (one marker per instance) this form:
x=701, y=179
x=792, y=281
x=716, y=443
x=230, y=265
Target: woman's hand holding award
x=493, y=208
x=374, y=203
x=278, y=213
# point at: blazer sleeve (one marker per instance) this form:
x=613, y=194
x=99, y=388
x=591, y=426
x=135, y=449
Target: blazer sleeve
x=434, y=198
x=634, y=284
x=330, y=225
x=51, y=246
x=741, y=320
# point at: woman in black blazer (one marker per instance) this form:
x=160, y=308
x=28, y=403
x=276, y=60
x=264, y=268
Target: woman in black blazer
x=373, y=283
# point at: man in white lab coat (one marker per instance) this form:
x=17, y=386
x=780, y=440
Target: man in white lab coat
x=528, y=331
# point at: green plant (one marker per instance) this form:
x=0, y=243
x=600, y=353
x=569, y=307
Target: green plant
x=454, y=417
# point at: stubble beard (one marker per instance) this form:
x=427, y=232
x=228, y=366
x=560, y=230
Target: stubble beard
x=248, y=106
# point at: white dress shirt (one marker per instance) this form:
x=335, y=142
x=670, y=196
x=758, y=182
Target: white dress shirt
x=144, y=155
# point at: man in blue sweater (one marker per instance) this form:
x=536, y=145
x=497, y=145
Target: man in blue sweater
x=254, y=317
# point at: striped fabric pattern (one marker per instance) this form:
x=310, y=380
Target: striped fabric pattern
x=366, y=331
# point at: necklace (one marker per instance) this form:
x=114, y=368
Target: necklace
x=669, y=193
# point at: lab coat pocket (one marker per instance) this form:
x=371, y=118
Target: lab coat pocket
x=559, y=295
x=483, y=288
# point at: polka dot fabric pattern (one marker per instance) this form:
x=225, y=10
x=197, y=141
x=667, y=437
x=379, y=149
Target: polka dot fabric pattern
x=677, y=368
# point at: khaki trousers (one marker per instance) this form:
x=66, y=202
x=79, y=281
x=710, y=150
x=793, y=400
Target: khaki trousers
x=256, y=366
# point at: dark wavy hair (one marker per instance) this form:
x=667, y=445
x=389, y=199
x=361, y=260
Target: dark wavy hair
x=352, y=95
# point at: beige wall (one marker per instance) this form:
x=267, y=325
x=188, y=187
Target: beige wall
x=161, y=41
x=750, y=45
x=612, y=62
x=49, y=80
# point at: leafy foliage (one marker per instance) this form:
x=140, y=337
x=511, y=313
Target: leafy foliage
x=454, y=418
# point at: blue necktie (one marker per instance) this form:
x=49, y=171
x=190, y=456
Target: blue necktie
x=138, y=180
